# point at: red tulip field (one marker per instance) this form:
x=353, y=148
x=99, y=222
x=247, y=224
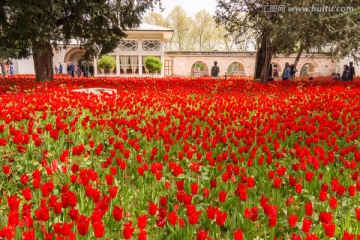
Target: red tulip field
x=179, y=159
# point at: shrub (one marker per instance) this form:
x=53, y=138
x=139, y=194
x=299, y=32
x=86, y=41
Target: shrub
x=107, y=63
x=154, y=64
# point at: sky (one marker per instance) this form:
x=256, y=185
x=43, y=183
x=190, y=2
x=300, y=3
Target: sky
x=190, y=6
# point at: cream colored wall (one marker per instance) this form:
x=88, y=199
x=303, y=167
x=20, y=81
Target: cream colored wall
x=182, y=63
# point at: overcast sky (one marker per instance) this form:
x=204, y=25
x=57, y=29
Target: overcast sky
x=191, y=6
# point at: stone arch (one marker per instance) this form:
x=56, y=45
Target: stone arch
x=278, y=65
x=199, y=68
x=75, y=55
x=308, y=68
x=235, y=68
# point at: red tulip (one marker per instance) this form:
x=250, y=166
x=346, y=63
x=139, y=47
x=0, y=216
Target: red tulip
x=325, y=217
x=152, y=209
x=306, y=225
x=238, y=234
x=99, y=229
x=29, y=234
x=333, y=203
x=329, y=229
x=222, y=196
x=128, y=230
x=6, y=169
x=142, y=219
x=83, y=225
x=292, y=220
x=357, y=212
x=172, y=217
x=194, y=188
x=117, y=213
x=202, y=234
x=27, y=193
x=220, y=218
x=309, y=209
x=142, y=235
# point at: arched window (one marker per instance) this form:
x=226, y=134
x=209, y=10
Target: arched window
x=236, y=69
x=199, y=69
x=308, y=69
x=278, y=66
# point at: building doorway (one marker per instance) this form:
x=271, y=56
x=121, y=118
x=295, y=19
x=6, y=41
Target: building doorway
x=169, y=64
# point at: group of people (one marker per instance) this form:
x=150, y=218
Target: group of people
x=82, y=70
x=348, y=73
x=288, y=73
x=8, y=67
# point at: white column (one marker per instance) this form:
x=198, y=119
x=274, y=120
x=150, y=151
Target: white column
x=117, y=65
x=162, y=58
x=140, y=65
x=95, y=67
x=163, y=64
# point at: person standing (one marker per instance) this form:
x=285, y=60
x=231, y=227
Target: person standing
x=11, y=69
x=68, y=68
x=91, y=70
x=83, y=70
x=286, y=73
x=56, y=69
x=7, y=68
x=60, y=68
x=215, y=70
x=345, y=74
x=275, y=73
x=72, y=69
x=351, y=72
x=292, y=71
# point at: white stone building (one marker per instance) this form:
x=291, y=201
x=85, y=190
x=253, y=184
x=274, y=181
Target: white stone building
x=150, y=40
x=147, y=40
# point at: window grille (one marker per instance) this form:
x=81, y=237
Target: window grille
x=129, y=45
x=151, y=45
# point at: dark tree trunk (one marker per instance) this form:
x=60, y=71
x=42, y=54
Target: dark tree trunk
x=297, y=59
x=267, y=54
x=43, y=61
x=3, y=69
x=258, y=64
x=263, y=58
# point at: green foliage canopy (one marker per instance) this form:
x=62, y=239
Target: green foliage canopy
x=106, y=62
x=30, y=27
x=154, y=64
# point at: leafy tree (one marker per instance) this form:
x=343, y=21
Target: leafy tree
x=336, y=33
x=154, y=64
x=231, y=14
x=5, y=54
x=37, y=27
x=107, y=63
x=181, y=23
x=289, y=32
x=155, y=18
x=204, y=30
x=199, y=32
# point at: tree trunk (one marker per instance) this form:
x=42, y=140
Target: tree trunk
x=267, y=54
x=258, y=64
x=43, y=61
x=263, y=58
x=3, y=69
x=297, y=59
